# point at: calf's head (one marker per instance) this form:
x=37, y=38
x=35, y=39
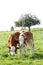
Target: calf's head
x=11, y=48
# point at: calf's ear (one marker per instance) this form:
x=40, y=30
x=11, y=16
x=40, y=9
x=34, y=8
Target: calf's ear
x=9, y=47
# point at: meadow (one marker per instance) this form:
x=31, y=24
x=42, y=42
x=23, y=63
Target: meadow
x=35, y=59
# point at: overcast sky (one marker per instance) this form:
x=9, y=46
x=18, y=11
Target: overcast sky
x=11, y=10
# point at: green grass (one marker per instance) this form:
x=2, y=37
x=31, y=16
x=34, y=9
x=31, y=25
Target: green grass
x=35, y=59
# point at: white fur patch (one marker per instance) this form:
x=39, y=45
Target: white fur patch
x=12, y=50
x=21, y=39
x=21, y=34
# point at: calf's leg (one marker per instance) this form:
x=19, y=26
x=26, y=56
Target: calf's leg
x=31, y=46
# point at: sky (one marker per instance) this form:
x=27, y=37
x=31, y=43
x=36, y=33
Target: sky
x=11, y=10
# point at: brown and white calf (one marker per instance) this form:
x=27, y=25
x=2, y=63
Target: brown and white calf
x=20, y=40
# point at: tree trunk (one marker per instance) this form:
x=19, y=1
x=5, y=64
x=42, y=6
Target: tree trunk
x=29, y=28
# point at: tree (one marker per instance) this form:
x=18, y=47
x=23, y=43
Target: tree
x=27, y=21
x=31, y=20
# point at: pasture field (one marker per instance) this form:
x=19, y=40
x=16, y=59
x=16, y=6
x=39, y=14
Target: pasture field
x=35, y=59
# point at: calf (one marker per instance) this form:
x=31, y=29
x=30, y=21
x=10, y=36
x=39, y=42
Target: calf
x=14, y=40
